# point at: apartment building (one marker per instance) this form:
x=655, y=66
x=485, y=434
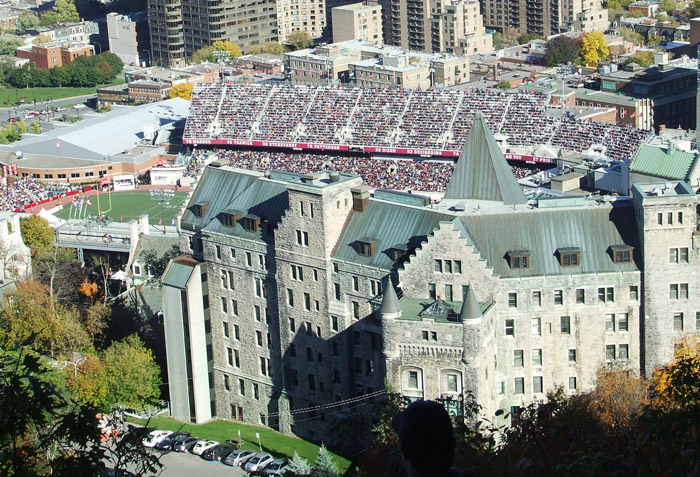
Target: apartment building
x=359, y=21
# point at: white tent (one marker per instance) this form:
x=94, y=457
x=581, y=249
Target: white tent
x=119, y=275
x=50, y=218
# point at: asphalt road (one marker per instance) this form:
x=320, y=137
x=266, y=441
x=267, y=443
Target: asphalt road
x=178, y=464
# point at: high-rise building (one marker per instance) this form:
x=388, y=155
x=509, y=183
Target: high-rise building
x=128, y=36
x=298, y=293
x=545, y=17
x=359, y=21
x=453, y=26
x=301, y=15
x=181, y=27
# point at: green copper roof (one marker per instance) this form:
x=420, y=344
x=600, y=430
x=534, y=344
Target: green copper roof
x=177, y=275
x=481, y=171
x=414, y=307
x=658, y=162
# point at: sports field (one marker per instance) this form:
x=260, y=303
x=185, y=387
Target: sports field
x=126, y=205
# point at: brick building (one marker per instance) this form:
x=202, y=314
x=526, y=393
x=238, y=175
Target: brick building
x=54, y=54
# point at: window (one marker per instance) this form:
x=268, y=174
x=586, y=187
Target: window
x=537, y=384
x=697, y=321
x=537, y=298
x=519, y=385
x=413, y=379
x=236, y=332
x=580, y=295
x=610, y=352
x=680, y=217
x=457, y=266
x=224, y=308
x=572, y=355
x=558, y=297
x=258, y=338
x=356, y=310
x=311, y=380
x=678, y=255
x=366, y=246
x=572, y=383
x=536, y=326
x=336, y=291
x=260, y=289
x=229, y=356
x=610, y=322
x=302, y=238
x=537, y=357
x=510, y=327
x=258, y=314
x=433, y=335
x=501, y=387
x=438, y=265
x=227, y=383
x=623, y=352
x=634, y=293
x=678, y=322
x=518, y=361
x=519, y=260
x=565, y=323
x=622, y=322
x=424, y=335
x=307, y=302
x=241, y=386
x=448, y=266
x=606, y=294
x=309, y=354
x=226, y=330
x=376, y=287
x=431, y=291
x=256, y=391
x=512, y=300
x=297, y=273
x=290, y=297
x=334, y=323
x=236, y=358
x=569, y=257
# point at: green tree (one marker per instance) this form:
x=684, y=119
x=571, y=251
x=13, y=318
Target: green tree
x=105, y=71
x=60, y=76
x=631, y=36
x=8, y=46
x=36, y=129
x=26, y=21
x=50, y=262
x=299, y=40
x=527, y=38
x=642, y=58
x=324, y=466
x=653, y=40
x=255, y=50
x=273, y=47
x=20, y=77
x=37, y=234
x=504, y=84
x=299, y=466
x=594, y=47
x=95, y=320
x=205, y=53
x=22, y=126
x=561, y=50
x=65, y=11
x=132, y=376
x=233, y=49
x=692, y=10
x=112, y=60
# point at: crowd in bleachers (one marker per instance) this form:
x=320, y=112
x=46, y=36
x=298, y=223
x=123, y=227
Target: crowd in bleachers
x=434, y=119
x=427, y=176
x=28, y=191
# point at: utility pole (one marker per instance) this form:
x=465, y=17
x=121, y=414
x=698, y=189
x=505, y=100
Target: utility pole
x=164, y=196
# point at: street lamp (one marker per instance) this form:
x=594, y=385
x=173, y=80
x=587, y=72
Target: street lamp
x=150, y=61
x=76, y=364
x=98, y=44
x=164, y=196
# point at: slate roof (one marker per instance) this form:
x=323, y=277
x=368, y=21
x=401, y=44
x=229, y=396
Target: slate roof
x=481, y=171
x=659, y=162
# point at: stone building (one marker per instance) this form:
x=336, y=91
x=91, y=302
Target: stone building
x=299, y=293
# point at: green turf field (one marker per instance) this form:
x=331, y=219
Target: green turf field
x=128, y=204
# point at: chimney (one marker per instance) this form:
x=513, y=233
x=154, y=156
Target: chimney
x=143, y=224
x=360, y=197
x=662, y=128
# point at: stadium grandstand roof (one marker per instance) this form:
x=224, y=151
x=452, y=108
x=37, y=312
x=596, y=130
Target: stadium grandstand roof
x=100, y=137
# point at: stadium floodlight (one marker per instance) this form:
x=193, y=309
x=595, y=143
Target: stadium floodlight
x=164, y=196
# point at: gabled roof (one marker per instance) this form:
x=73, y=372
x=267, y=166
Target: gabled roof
x=482, y=172
x=662, y=163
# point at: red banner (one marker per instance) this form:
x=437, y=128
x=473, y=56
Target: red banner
x=533, y=159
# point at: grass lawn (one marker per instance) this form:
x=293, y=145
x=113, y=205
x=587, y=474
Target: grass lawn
x=129, y=203
x=272, y=441
x=8, y=97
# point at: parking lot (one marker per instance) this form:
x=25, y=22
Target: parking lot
x=184, y=463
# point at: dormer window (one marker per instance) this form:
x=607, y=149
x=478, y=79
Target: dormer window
x=230, y=217
x=366, y=246
x=200, y=208
x=519, y=259
x=621, y=253
x=569, y=256
x=251, y=223
x=398, y=252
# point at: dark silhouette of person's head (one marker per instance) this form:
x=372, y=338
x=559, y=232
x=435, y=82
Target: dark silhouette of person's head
x=427, y=439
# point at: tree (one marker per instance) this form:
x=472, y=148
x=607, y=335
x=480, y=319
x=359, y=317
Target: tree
x=31, y=316
x=233, y=50
x=299, y=40
x=22, y=126
x=113, y=61
x=653, y=40
x=60, y=76
x=631, y=36
x=692, y=10
x=255, y=50
x=527, y=38
x=95, y=320
x=619, y=398
x=132, y=376
x=182, y=90
x=324, y=466
x=679, y=382
x=8, y=46
x=36, y=129
x=273, y=47
x=205, y=53
x=49, y=262
x=26, y=21
x=299, y=466
x=156, y=264
x=106, y=71
x=594, y=47
x=41, y=39
x=65, y=11
x=561, y=50
x=37, y=234
x=504, y=84
x=642, y=58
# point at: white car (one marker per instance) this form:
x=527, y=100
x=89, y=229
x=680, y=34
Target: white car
x=154, y=437
x=259, y=462
x=203, y=445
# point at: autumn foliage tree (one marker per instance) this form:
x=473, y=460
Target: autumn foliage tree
x=594, y=47
x=679, y=382
x=183, y=90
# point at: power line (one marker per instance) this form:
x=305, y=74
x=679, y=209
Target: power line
x=333, y=404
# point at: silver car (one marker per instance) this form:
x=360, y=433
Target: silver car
x=277, y=467
x=239, y=457
x=259, y=462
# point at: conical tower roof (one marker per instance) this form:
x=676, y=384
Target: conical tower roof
x=470, y=308
x=482, y=172
x=390, y=302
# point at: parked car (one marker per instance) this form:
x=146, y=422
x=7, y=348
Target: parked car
x=203, y=445
x=154, y=437
x=217, y=453
x=277, y=467
x=167, y=443
x=185, y=444
x=13, y=119
x=59, y=109
x=239, y=457
x=258, y=462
